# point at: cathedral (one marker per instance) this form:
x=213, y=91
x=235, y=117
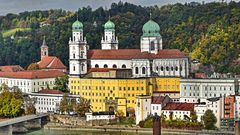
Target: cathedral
x=148, y=61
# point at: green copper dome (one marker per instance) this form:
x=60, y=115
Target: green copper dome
x=109, y=25
x=151, y=28
x=77, y=26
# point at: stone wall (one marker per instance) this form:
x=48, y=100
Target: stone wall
x=78, y=121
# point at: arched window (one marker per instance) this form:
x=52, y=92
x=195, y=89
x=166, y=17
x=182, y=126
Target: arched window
x=181, y=68
x=157, y=68
x=167, y=68
x=74, y=55
x=136, y=70
x=152, y=46
x=143, y=70
x=105, y=66
x=82, y=67
x=114, y=66
x=172, y=68
x=176, y=68
x=124, y=66
x=96, y=66
x=74, y=68
x=162, y=68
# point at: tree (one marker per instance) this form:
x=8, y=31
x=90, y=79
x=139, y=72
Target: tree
x=33, y=66
x=209, y=120
x=61, y=83
x=10, y=104
x=193, y=116
x=64, y=104
x=83, y=107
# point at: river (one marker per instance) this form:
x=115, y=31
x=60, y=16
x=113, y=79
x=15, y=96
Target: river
x=70, y=132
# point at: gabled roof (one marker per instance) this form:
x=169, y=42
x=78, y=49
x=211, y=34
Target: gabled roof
x=48, y=91
x=157, y=99
x=134, y=54
x=51, y=62
x=32, y=74
x=11, y=68
x=179, y=106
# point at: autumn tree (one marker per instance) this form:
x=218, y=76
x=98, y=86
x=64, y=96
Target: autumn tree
x=33, y=66
x=64, y=104
x=83, y=107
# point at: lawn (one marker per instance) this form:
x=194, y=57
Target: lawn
x=10, y=32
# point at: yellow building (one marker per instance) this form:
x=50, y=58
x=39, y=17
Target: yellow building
x=119, y=94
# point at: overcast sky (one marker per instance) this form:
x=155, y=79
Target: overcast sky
x=16, y=6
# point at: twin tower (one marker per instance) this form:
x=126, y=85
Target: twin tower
x=151, y=42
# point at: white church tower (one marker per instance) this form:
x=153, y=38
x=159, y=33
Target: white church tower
x=109, y=40
x=44, y=48
x=77, y=51
x=151, y=40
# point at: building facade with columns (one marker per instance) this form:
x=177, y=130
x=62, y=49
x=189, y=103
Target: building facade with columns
x=150, y=60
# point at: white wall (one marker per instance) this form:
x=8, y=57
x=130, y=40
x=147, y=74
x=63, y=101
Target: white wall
x=177, y=114
x=89, y=117
x=143, y=108
x=156, y=108
x=206, y=88
x=28, y=85
x=110, y=63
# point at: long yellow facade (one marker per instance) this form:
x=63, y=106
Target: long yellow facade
x=119, y=94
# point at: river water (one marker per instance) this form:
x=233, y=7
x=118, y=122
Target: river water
x=70, y=132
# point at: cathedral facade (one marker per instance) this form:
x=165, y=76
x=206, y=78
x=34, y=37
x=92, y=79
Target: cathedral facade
x=150, y=60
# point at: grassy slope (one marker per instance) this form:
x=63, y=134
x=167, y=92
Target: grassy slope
x=10, y=32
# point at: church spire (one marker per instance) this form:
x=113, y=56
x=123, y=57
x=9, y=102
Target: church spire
x=44, y=48
x=44, y=42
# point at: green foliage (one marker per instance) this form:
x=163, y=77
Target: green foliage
x=174, y=123
x=193, y=116
x=209, y=120
x=209, y=31
x=13, y=31
x=10, y=103
x=61, y=83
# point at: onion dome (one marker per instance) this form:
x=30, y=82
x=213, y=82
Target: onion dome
x=151, y=29
x=109, y=25
x=77, y=26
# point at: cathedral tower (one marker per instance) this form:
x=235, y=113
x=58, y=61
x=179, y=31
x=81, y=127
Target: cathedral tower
x=77, y=51
x=44, y=48
x=151, y=40
x=109, y=40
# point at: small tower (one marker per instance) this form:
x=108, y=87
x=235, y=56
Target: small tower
x=77, y=51
x=44, y=49
x=109, y=40
x=151, y=40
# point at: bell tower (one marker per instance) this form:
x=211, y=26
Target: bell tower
x=44, y=48
x=151, y=40
x=109, y=40
x=77, y=51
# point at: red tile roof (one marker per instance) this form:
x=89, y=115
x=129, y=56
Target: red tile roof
x=179, y=106
x=134, y=54
x=51, y=62
x=33, y=74
x=11, y=68
x=157, y=99
x=100, y=69
x=200, y=75
x=47, y=91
